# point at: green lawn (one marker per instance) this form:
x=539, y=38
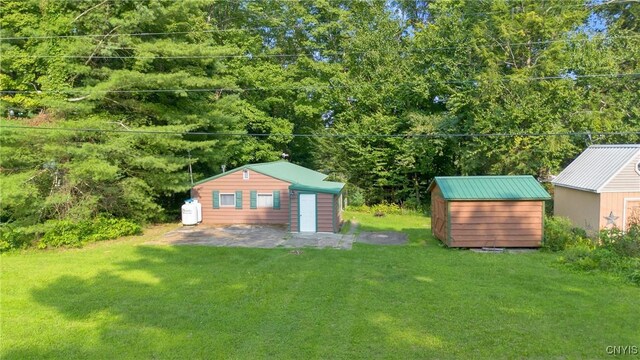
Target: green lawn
x=122, y=299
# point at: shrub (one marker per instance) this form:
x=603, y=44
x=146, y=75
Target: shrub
x=15, y=237
x=386, y=209
x=605, y=259
x=64, y=233
x=111, y=228
x=355, y=197
x=575, y=254
x=76, y=234
x=559, y=233
x=634, y=276
x=617, y=253
x=624, y=244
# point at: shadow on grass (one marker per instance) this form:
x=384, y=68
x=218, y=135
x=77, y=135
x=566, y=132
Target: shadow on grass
x=417, y=227
x=416, y=236
x=181, y=301
x=396, y=302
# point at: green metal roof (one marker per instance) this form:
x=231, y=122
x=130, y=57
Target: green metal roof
x=287, y=171
x=490, y=188
x=301, y=178
x=331, y=187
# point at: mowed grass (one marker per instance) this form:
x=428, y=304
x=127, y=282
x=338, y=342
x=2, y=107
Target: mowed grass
x=123, y=299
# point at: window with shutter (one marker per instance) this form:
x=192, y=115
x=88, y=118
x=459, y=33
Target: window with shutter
x=265, y=200
x=238, y=199
x=227, y=200
x=276, y=200
x=253, y=199
x=216, y=199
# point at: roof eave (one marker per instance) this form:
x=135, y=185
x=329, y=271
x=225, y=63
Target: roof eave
x=247, y=166
x=301, y=187
x=576, y=187
x=500, y=199
x=432, y=184
x=219, y=175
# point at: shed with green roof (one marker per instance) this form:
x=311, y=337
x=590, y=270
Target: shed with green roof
x=277, y=192
x=488, y=211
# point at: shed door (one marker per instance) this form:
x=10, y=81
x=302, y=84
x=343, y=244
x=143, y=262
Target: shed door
x=632, y=212
x=307, y=211
x=440, y=212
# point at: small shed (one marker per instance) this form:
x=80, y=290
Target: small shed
x=276, y=192
x=488, y=211
x=600, y=188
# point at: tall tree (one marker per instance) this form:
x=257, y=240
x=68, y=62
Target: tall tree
x=142, y=73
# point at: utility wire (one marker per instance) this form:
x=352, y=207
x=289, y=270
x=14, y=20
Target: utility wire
x=141, y=34
x=319, y=52
x=320, y=87
x=237, y=134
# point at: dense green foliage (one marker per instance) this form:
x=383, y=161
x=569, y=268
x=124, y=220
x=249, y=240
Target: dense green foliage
x=127, y=300
x=613, y=251
x=560, y=233
x=146, y=72
x=67, y=233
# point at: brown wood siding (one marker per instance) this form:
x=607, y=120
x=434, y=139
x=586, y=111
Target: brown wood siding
x=626, y=180
x=324, y=213
x=234, y=182
x=581, y=207
x=294, y=212
x=337, y=212
x=496, y=223
x=324, y=209
x=614, y=202
x=438, y=215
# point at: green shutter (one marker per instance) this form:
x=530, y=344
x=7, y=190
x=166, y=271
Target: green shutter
x=253, y=199
x=238, y=199
x=276, y=200
x=216, y=199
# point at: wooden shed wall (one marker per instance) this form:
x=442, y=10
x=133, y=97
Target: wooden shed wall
x=337, y=212
x=293, y=225
x=438, y=215
x=615, y=202
x=324, y=213
x=581, y=207
x=324, y=208
x=496, y=223
x=234, y=182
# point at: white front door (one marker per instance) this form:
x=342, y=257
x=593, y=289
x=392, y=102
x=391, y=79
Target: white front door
x=307, y=212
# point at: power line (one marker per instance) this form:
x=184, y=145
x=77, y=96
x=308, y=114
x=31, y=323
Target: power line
x=141, y=34
x=571, y=77
x=237, y=134
x=319, y=52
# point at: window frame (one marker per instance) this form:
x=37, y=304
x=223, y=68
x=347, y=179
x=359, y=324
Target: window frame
x=245, y=174
x=258, y=206
x=638, y=167
x=220, y=199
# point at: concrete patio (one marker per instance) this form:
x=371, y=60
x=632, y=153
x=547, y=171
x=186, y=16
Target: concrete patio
x=253, y=236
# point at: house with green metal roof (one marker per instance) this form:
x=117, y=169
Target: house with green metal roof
x=488, y=211
x=277, y=192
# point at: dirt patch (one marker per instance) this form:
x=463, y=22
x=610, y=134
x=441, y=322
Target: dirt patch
x=382, y=238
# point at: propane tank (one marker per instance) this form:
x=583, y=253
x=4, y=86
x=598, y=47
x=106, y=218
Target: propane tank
x=189, y=213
